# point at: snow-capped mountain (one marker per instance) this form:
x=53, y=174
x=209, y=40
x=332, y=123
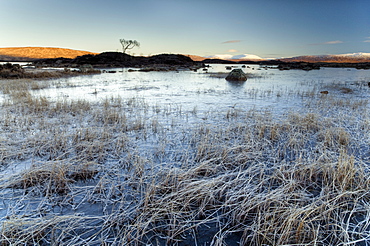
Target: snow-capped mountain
x=360, y=55
x=242, y=57
x=341, y=58
x=350, y=57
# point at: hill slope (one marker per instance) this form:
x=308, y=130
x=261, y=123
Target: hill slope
x=342, y=58
x=32, y=53
x=196, y=58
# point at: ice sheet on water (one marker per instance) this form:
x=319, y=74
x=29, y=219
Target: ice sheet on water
x=15, y=168
x=200, y=88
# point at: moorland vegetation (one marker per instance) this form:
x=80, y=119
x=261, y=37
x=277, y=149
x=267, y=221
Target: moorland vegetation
x=123, y=172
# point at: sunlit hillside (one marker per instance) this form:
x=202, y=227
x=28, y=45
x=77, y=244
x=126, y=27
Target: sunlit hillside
x=39, y=53
x=342, y=58
x=196, y=58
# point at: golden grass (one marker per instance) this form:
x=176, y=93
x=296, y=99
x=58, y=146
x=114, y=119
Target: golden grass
x=54, y=177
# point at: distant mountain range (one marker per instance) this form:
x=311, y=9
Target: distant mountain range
x=343, y=58
x=34, y=53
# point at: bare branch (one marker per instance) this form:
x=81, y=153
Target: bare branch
x=128, y=44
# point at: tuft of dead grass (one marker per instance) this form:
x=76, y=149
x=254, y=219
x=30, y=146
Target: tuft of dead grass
x=299, y=203
x=52, y=177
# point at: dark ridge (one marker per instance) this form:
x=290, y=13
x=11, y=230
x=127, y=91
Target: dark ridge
x=219, y=61
x=117, y=59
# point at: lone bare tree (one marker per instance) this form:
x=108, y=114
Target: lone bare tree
x=128, y=44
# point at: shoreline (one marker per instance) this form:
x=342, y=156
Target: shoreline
x=15, y=71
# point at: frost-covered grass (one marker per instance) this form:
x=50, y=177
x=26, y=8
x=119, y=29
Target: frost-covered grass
x=123, y=172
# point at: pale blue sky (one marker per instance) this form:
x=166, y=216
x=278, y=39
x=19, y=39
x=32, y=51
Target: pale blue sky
x=266, y=28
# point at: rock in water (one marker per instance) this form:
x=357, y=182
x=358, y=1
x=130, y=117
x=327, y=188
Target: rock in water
x=236, y=75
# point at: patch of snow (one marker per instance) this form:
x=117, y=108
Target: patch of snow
x=356, y=55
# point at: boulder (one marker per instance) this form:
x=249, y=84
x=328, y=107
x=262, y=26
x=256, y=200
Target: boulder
x=237, y=75
x=86, y=68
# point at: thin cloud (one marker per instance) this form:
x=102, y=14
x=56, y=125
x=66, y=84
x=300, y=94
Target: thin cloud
x=231, y=41
x=367, y=40
x=330, y=42
x=232, y=50
x=334, y=42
